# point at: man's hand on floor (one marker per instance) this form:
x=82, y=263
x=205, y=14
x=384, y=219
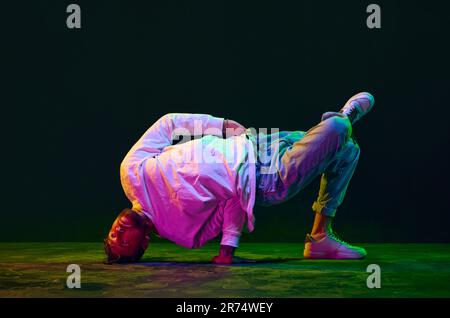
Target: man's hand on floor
x=228, y=260
x=225, y=256
x=222, y=260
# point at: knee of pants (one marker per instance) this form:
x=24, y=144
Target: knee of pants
x=339, y=126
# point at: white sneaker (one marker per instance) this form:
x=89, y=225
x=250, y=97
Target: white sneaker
x=328, y=246
x=358, y=106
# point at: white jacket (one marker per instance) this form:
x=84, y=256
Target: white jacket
x=193, y=190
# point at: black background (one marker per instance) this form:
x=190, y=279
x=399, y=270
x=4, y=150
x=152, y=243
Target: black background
x=74, y=102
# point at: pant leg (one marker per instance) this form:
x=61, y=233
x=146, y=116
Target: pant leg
x=325, y=149
x=335, y=180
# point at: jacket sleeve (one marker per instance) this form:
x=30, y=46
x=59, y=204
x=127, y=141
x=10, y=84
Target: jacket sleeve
x=162, y=132
x=234, y=218
x=155, y=139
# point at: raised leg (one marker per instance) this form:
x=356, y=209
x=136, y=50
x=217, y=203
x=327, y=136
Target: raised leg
x=322, y=150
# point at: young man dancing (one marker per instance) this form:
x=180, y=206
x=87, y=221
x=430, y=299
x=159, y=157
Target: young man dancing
x=190, y=192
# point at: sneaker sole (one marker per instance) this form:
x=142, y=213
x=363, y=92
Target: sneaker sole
x=332, y=256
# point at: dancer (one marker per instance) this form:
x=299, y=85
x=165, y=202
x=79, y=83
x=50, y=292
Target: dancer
x=191, y=191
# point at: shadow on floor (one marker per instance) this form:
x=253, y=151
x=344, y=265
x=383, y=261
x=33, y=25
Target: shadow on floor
x=238, y=262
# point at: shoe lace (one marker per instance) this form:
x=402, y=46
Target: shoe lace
x=353, y=111
x=333, y=235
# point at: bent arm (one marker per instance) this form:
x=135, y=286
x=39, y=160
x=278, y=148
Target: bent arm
x=155, y=139
x=162, y=132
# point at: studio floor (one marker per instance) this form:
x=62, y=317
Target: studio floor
x=39, y=270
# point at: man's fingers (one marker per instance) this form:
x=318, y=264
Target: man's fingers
x=223, y=260
x=233, y=128
x=230, y=132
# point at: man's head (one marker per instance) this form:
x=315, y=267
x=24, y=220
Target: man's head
x=128, y=238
